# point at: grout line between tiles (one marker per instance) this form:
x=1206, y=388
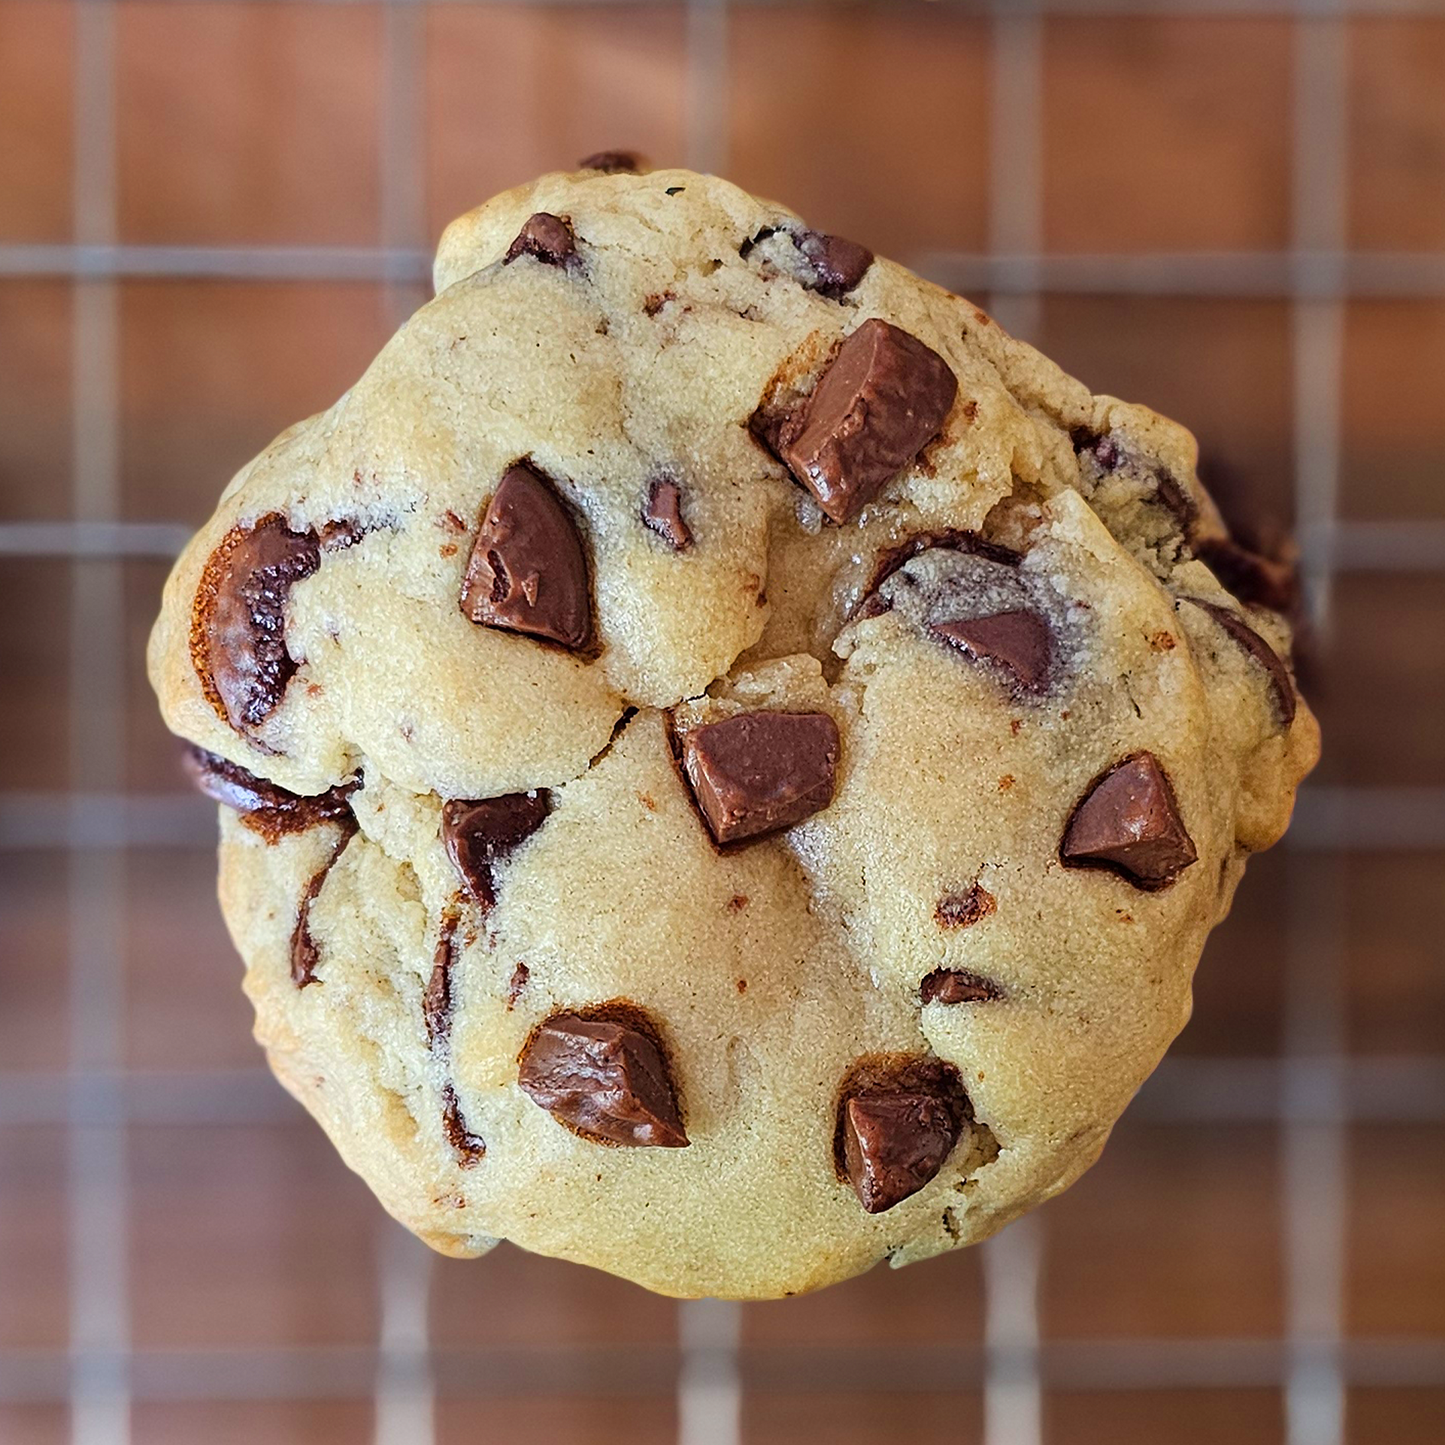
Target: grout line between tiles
x=1315, y=1181
x=99, y=1328
x=709, y=1386
x=1012, y=1393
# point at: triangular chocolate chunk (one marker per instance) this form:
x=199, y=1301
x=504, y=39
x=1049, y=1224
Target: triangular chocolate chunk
x=1129, y=821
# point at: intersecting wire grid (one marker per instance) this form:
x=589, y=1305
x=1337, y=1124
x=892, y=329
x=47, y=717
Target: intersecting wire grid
x=1313, y=1092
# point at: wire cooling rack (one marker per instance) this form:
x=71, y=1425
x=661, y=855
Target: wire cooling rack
x=1312, y=1094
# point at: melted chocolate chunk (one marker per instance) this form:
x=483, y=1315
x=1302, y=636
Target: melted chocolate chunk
x=760, y=771
x=839, y=265
x=884, y=396
x=963, y=910
x=528, y=571
x=546, y=237
x=1281, y=688
x=957, y=985
x=1128, y=821
x=603, y=1079
x=436, y=999
x=892, y=559
x=612, y=162
x=1015, y=641
x=1257, y=580
x=898, y=1121
x=305, y=955
x=483, y=833
x=238, y=634
x=470, y=1147
x=662, y=513
x=269, y=809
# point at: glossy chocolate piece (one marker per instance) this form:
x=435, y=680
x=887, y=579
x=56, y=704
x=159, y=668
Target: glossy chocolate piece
x=528, y=570
x=1129, y=821
x=604, y=1079
x=1018, y=642
x=481, y=833
x=757, y=772
x=546, y=238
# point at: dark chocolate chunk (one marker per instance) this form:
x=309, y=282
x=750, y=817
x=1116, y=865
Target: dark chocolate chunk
x=760, y=771
x=482, y=833
x=436, y=999
x=1017, y=641
x=963, y=910
x=546, y=237
x=305, y=955
x=613, y=162
x=894, y=1144
x=1128, y=820
x=839, y=265
x=957, y=985
x=265, y=807
x=662, y=513
x=516, y=984
x=528, y=572
x=1257, y=580
x=884, y=396
x=238, y=634
x=1176, y=499
x=603, y=1079
x=470, y=1147
x=1242, y=633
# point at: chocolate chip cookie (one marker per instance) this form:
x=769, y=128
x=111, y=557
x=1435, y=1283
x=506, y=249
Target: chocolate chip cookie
x=726, y=759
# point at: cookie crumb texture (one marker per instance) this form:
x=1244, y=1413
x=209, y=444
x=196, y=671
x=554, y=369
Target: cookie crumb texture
x=727, y=760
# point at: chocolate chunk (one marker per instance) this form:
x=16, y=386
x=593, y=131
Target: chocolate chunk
x=268, y=809
x=516, y=984
x=238, y=633
x=613, y=162
x=1176, y=499
x=1257, y=580
x=528, y=572
x=883, y=397
x=839, y=265
x=1242, y=633
x=662, y=513
x=894, y=1144
x=305, y=955
x=963, y=910
x=603, y=1079
x=436, y=999
x=470, y=1147
x=891, y=559
x=760, y=771
x=1129, y=821
x=483, y=833
x=547, y=237
x=1017, y=641
x=957, y=985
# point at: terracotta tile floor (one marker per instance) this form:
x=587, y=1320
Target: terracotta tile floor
x=257, y=1270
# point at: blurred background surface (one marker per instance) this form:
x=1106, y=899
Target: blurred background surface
x=212, y=215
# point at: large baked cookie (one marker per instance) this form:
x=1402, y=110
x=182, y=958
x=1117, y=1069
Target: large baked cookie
x=727, y=759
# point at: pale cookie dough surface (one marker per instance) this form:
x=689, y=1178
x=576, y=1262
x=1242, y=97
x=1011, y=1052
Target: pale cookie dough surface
x=396, y=1004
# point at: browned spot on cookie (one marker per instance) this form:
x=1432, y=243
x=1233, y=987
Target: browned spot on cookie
x=450, y=519
x=963, y=910
x=647, y=801
x=958, y=985
x=1128, y=821
x=737, y=902
x=1005, y=782
x=1162, y=641
x=603, y=1073
x=898, y=1118
x=657, y=301
x=742, y=985
x=447, y=549
x=1014, y=724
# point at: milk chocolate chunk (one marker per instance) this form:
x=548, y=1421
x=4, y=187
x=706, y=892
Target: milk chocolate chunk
x=604, y=1080
x=662, y=513
x=612, y=162
x=894, y=1143
x=1129, y=821
x=1017, y=641
x=883, y=397
x=958, y=985
x=238, y=642
x=482, y=833
x=963, y=910
x=760, y=771
x=839, y=265
x=528, y=572
x=1240, y=632
x=268, y=809
x=305, y=954
x=546, y=237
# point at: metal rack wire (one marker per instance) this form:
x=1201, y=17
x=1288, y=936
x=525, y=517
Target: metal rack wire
x=1313, y=1092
